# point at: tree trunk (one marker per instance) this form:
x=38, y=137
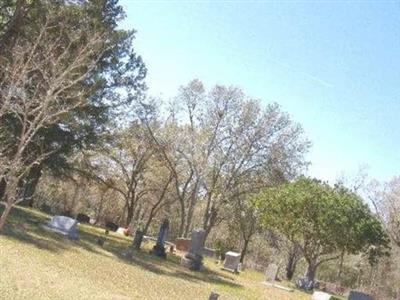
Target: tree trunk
x=31, y=184
x=291, y=266
x=182, y=223
x=129, y=215
x=100, y=207
x=191, y=208
x=340, y=269
x=311, y=270
x=10, y=198
x=293, y=258
x=4, y=215
x=188, y=222
x=244, y=250
x=3, y=186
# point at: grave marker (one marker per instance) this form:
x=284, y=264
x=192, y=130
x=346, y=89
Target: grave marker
x=63, y=225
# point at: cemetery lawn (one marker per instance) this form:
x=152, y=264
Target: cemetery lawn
x=37, y=264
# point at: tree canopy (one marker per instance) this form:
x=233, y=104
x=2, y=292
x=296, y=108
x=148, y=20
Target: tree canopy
x=324, y=220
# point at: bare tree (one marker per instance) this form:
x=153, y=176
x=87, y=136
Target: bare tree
x=42, y=82
x=131, y=166
x=386, y=199
x=215, y=142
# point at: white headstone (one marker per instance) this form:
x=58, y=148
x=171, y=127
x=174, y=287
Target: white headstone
x=317, y=295
x=232, y=260
x=63, y=225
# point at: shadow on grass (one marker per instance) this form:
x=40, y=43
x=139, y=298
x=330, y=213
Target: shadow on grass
x=171, y=268
x=24, y=225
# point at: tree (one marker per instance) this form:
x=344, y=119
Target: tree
x=130, y=165
x=218, y=141
x=323, y=220
x=246, y=220
x=386, y=200
x=118, y=68
x=54, y=104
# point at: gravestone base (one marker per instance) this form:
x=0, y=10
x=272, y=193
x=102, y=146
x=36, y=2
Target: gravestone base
x=159, y=251
x=192, y=261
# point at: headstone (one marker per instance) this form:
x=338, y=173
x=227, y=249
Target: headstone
x=271, y=273
x=193, y=259
x=317, y=295
x=356, y=295
x=305, y=284
x=63, y=225
x=208, y=252
x=112, y=226
x=159, y=248
x=213, y=296
x=232, y=260
x=182, y=244
x=82, y=218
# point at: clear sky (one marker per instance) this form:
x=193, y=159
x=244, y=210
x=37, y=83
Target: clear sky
x=334, y=66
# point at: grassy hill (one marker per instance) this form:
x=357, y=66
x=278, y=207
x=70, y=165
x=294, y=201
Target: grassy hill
x=37, y=264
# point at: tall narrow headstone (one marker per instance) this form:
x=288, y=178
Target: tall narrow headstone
x=193, y=259
x=159, y=248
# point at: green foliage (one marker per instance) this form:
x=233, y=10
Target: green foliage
x=324, y=220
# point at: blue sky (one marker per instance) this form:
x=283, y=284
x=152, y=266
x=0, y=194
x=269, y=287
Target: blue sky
x=334, y=66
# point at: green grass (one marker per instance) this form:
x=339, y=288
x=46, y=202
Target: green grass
x=37, y=264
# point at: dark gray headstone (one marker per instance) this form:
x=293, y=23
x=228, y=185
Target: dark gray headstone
x=356, y=295
x=193, y=259
x=231, y=262
x=159, y=248
x=63, y=225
